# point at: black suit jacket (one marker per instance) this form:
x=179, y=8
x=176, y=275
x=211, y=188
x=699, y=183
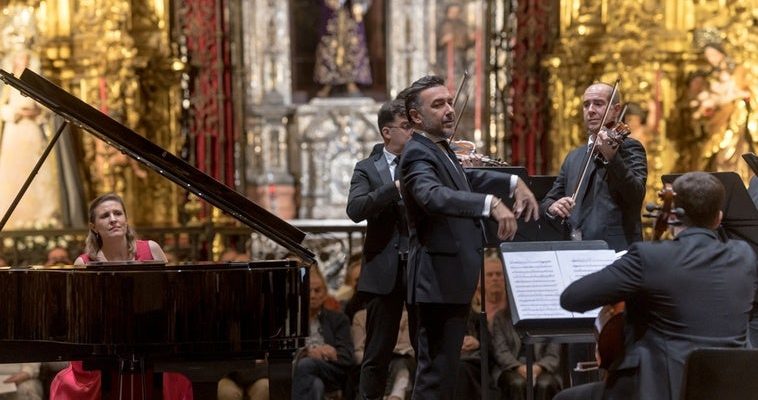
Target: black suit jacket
x=694, y=291
x=609, y=206
x=444, y=221
x=374, y=197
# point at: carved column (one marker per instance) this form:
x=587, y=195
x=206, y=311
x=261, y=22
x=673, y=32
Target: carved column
x=268, y=97
x=410, y=41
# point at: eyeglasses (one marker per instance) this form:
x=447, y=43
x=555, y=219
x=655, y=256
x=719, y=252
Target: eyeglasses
x=404, y=127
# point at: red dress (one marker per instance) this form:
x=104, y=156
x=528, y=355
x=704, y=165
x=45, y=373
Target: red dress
x=76, y=383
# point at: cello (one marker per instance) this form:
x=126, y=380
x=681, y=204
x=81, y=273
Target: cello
x=609, y=323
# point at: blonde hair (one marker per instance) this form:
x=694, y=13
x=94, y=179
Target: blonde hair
x=94, y=243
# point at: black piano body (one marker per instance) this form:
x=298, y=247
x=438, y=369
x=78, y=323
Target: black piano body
x=187, y=316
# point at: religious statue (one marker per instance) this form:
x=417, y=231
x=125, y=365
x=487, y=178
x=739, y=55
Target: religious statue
x=24, y=138
x=643, y=124
x=341, y=54
x=721, y=111
x=454, y=39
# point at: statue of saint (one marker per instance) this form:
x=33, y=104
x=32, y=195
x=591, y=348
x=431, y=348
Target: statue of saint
x=341, y=54
x=23, y=141
x=721, y=110
x=454, y=39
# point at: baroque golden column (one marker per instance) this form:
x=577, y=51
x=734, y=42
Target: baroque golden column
x=116, y=55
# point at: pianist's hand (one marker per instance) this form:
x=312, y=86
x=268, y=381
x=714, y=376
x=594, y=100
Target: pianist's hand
x=18, y=377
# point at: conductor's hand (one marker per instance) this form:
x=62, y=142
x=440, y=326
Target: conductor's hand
x=562, y=207
x=525, y=205
x=506, y=221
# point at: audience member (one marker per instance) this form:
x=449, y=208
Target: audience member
x=58, y=256
x=510, y=356
x=250, y=384
x=469, y=384
x=345, y=292
x=323, y=363
x=402, y=365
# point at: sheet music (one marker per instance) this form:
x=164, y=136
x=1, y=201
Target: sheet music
x=537, y=283
x=6, y=387
x=537, y=279
x=575, y=264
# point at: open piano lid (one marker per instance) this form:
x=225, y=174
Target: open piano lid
x=159, y=160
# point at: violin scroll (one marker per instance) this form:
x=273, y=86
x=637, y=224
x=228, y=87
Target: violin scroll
x=665, y=214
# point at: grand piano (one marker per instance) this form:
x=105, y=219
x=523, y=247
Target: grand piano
x=190, y=317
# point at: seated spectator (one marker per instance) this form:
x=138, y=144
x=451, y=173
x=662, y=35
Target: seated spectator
x=323, y=363
x=510, y=356
x=25, y=376
x=469, y=383
x=232, y=255
x=403, y=363
x=347, y=290
x=494, y=283
x=58, y=256
x=250, y=384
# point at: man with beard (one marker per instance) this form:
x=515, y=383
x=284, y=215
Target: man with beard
x=445, y=206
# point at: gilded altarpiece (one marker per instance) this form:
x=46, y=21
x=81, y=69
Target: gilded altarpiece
x=657, y=49
x=116, y=55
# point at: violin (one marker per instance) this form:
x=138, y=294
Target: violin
x=617, y=131
x=665, y=214
x=468, y=157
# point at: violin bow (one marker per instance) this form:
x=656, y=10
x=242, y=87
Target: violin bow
x=458, y=115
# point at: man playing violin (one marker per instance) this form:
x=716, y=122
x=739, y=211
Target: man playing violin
x=607, y=205
x=691, y=292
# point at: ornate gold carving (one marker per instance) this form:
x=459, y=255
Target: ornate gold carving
x=116, y=56
x=650, y=45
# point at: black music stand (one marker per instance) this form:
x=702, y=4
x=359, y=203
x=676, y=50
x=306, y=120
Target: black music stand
x=561, y=330
x=530, y=231
x=752, y=161
x=740, y=219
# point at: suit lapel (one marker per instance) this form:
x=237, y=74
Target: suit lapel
x=380, y=163
x=455, y=175
x=582, y=193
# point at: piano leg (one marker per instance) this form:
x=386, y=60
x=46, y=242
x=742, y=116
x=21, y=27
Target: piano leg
x=280, y=376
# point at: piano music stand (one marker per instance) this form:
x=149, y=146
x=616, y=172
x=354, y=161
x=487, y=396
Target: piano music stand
x=568, y=330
